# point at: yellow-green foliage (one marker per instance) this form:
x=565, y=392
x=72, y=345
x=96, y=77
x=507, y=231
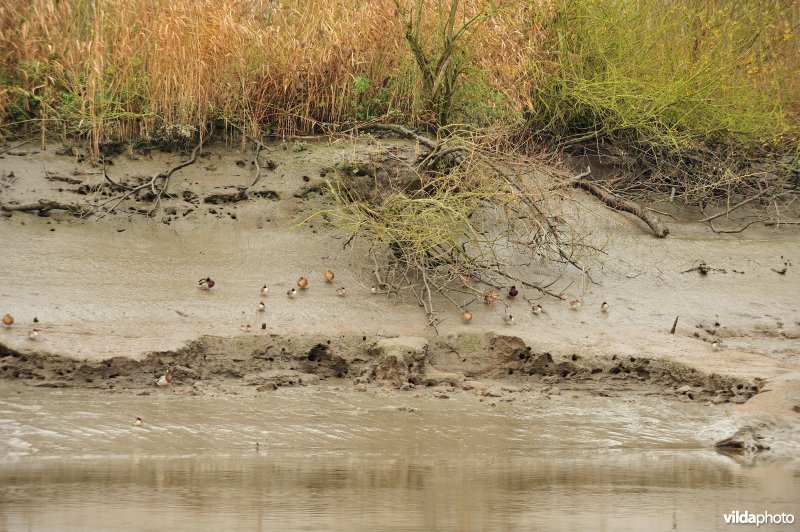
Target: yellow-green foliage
x=671, y=73
x=663, y=70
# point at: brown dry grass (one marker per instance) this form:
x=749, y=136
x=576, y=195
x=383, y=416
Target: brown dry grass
x=107, y=69
x=114, y=67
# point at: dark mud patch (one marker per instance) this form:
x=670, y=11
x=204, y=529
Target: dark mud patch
x=269, y=362
x=63, y=179
x=238, y=195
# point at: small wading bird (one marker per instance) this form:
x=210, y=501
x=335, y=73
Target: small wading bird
x=261, y=306
x=264, y=290
x=575, y=304
x=508, y=319
x=302, y=283
x=165, y=380
x=33, y=334
x=373, y=290
x=329, y=276
x=341, y=291
x=206, y=284
x=466, y=316
x=513, y=292
x=291, y=292
x=715, y=345
x=8, y=320
x=138, y=421
x=537, y=309
x=604, y=306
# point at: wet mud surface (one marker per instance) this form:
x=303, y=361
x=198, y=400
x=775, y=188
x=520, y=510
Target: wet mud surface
x=117, y=303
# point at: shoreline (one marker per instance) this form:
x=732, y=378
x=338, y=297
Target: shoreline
x=118, y=305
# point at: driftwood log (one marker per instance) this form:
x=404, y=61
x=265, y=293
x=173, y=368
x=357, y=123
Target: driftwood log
x=43, y=207
x=621, y=204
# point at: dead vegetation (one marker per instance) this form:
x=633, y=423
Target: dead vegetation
x=460, y=221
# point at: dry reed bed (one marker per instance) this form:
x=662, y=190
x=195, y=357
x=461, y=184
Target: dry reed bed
x=643, y=76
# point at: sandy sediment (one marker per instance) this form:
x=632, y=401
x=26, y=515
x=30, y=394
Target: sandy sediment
x=118, y=305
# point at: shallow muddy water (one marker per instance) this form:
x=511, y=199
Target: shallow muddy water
x=332, y=459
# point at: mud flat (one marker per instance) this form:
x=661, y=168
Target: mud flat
x=117, y=302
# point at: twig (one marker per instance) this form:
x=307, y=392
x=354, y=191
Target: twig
x=249, y=137
x=243, y=191
x=376, y=271
x=107, y=178
x=660, y=212
x=733, y=231
x=16, y=146
x=426, y=289
x=405, y=132
x=730, y=210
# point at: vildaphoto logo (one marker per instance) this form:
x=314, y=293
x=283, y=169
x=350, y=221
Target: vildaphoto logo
x=764, y=518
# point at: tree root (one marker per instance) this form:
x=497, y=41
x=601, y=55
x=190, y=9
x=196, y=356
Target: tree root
x=152, y=184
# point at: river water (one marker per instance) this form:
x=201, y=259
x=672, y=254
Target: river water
x=327, y=458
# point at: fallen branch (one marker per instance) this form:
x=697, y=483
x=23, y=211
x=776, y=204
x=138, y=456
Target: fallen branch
x=43, y=207
x=621, y=204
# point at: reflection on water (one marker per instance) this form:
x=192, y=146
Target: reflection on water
x=329, y=460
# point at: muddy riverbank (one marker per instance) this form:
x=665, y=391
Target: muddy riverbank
x=117, y=303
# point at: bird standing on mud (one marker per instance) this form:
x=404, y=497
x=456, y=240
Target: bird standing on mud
x=341, y=291
x=302, y=283
x=34, y=334
x=466, y=316
x=165, y=380
x=138, y=421
x=206, y=284
x=604, y=306
x=575, y=304
x=261, y=306
x=513, y=292
x=291, y=292
x=8, y=320
x=537, y=309
x=329, y=276
x=508, y=319
x=264, y=290
x=373, y=290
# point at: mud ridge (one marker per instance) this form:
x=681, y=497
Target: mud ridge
x=487, y=364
